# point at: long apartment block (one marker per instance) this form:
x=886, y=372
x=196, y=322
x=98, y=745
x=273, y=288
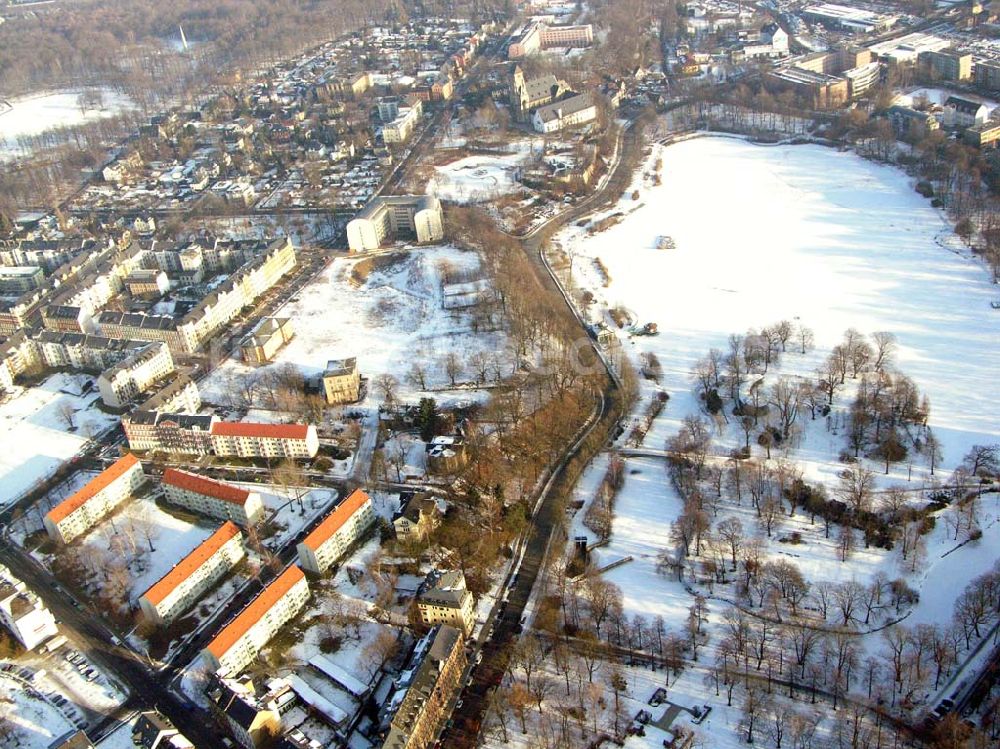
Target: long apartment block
x=215, y=499
x=79, y=512
x=338, y=531
x=240, y=641
x=180, y=589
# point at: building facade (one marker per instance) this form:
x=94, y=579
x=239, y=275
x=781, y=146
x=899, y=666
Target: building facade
x=266, y=339
x=84, y=508
x=212, y=498
x=565, y=113
x=240, y=641
x=448, y=601
x=342, y=381
x=337, y=533
x=247, y=440
x=135, y=374
x=180, y=589
x=187, y=434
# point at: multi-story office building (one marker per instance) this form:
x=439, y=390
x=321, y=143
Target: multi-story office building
x=240, y=641
x=215, y=499
x=539, y=36
x=448, y=601
x=84, y=508
x=248, y=440
x=180, y=589
x=337, y=533
x=341, y=381
x=134, y=374
x=17, y=279
x=385, y=218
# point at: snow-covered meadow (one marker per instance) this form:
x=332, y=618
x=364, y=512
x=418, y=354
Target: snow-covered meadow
x=32, y=115
x=475, y=179
x=35, y=432
x=393, y=318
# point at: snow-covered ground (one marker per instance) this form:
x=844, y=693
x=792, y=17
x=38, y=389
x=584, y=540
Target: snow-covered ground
x=475, y=179
x=32, y=115
x=35, y=436
x=36, y=722
x=938, y=96
x=393, y=319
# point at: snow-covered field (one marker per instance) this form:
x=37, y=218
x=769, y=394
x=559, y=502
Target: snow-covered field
x=35, y=436
x=35, y=721
x=32, y=115
x=475, y=179
x=394, y=318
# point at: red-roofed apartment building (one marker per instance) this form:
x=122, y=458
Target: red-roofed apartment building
x=212, y=498
x=82, y=510
x=338, y=531
x=180, y=588
x=239, y=642
x=246, y=440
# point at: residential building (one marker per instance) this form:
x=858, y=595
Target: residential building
x=147, y=283
x=448, y=601
x=418, y=517
x=17, y=279
x=180, y=589
x=179, y=395
x=188, y=434
x=446, y=453
x=983, y=135
x=72, y=740
x=342, y=381
x=265, y=340
x=960, y=112
x=180, y=335
x=337, y=533
x=538, y=36
x=155, y=731
x=134, y=374
x=84, y=508
x=430, y=680
x=251, y=721
x=905, y=119
x=213, y=498
x=402, y=126
x=386, y=218
x=249, y=440
x=565, y=113
x=23, y=613
x=240, y=641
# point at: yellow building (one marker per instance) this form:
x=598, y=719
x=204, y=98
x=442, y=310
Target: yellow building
x=448, y=602
x=342, y=381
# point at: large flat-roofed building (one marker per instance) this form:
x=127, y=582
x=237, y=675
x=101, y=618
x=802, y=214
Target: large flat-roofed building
x=846, y=18
x=247, y=440
x=215, y=499
x=429, y=682
x=948, y=65
x=983, y=135
x=338, y=531
x=862, y=79
x=80, y=511
x=987, y=74
x=448, y=601
x=539, y=36
x=824, y=91
x=559, y=115
x=341, y=381
x=179, y=589
x=240, y=641
x=385, y=218
x=266, y=339
x=906, y=49
x=134, y=374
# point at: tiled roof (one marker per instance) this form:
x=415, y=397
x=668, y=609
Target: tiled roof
x=252, y=613
x=332, y=522
x=189, y=564
x=100, y=482
x=273, y=431
x=202, y=485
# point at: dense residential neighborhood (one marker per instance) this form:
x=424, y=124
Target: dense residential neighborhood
x=418, y=375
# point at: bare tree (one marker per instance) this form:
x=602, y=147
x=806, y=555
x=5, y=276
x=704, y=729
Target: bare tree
x=386, y=385
x=855, y=485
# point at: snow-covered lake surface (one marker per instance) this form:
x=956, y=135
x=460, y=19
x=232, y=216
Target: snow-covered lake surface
x=32, y=115
x=35, y=436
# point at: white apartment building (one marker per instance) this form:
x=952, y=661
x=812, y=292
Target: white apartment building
x=239, y=642
x=83, y=509
x=24, y=613
x=338, y=531
x=134, y=374
x=402, y=127
x=247, y=440
x=180, y=589
x=386, y=217
x=215, y=499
